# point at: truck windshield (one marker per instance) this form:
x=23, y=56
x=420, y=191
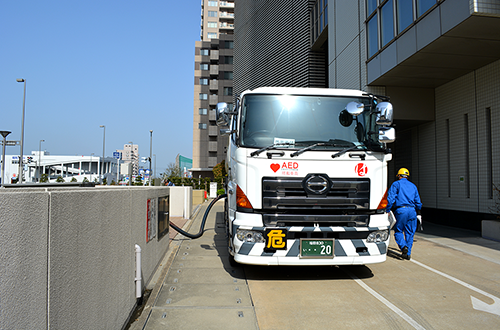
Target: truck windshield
x=291, y=121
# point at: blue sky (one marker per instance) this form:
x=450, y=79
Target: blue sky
x=128, y=65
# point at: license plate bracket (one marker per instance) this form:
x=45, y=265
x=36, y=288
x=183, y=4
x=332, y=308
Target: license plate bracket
x=317, y=248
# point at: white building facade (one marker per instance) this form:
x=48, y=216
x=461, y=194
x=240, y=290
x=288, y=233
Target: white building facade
x=79, y=168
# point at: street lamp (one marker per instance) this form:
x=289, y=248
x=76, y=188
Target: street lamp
x=40, y=160
x=4, y=134
x=20, y=176
x=131, y=174
x=103, y=144
x=150, y=155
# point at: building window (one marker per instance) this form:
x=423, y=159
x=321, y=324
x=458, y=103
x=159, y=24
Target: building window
x=204, y=52
x=212, y=13
x=212, y=3
x=212, y=35
x=202, y=111
x=203, y=81
x=424, y=5
x=319, y=17
x=203, y=96
x=228, y=45
x=212, y=24
x=373, y=36
x=228, y=75
x=372, y=6
x=202, y=126
x=204, y=67
x=385, y=19
x=228, y=91
x=404, y=14
x=228, y=60
x=387, y=22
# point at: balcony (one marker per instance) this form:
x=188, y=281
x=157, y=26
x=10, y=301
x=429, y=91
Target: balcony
x=212, y=161
x=224, y=14
x=212, y=146
x=214, y=69
x=226, y=26
x=213, y=99
x=213, y=130
x=214, y=54
x=225, y=4
x=214, y=84
x=211, y=115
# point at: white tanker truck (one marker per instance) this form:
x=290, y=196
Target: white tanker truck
x=307, y=176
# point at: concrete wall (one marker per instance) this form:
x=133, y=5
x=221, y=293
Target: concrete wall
x=67, y=255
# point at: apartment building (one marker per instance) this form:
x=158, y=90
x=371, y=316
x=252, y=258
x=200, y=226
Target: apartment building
x=438, y=61
x=213, y=83
x=130, y=154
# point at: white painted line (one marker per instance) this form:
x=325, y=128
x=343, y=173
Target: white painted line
x=476, y=303
x=386, y=302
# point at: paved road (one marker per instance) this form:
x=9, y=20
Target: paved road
x=452, y=282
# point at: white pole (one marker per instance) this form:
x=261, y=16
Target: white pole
x=138, y=277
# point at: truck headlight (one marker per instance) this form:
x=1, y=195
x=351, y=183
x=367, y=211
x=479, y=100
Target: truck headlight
x=378, y=236
x=250, y=236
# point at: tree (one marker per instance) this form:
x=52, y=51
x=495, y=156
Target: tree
x=73, y=179
x=220, y=174
x=219, y=171
x=44, y=178
x=60, y=179
x=138, y=180
x=85, y=179
x=171, y=171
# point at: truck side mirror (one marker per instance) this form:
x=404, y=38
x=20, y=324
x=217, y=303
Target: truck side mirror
x=387, y=135
x=221, y=114
x=355, y=108
x=384, y=113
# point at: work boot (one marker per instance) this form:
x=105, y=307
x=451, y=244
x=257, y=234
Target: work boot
x=404, y=253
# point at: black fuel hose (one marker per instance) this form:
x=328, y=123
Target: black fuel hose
x=202, y=226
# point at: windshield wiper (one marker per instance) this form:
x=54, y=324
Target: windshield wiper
x=346, y=150
x=272, y=146
x=298, y=152
x=333, y=143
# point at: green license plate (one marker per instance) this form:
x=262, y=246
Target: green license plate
x=316, y=248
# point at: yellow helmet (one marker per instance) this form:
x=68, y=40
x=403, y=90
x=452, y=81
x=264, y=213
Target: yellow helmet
x=404, y=171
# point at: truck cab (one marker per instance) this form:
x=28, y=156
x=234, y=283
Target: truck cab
x=307, y=176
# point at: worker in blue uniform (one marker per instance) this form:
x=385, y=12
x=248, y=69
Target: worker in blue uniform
x=403, y=195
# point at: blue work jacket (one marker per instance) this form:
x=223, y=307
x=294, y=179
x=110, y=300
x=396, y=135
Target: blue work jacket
x=403, y=193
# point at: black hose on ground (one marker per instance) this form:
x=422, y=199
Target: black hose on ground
x=202, y=226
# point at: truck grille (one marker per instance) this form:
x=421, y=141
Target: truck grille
x=286, y=201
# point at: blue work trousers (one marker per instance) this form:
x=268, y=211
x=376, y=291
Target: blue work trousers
x=406, y=225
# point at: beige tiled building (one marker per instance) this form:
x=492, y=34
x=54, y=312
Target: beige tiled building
x=213, y=83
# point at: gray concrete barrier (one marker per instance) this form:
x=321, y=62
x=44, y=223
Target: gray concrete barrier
x=67, y=258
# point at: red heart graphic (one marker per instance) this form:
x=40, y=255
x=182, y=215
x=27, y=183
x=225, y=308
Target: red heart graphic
x=275, y=167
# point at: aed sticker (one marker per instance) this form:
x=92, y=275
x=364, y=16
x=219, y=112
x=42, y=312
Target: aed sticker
x=275, y=239
x=286, y=168
x=361, y=169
